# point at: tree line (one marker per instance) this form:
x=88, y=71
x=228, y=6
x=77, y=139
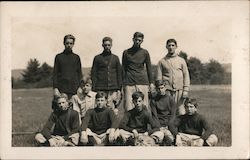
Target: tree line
x=40, y=76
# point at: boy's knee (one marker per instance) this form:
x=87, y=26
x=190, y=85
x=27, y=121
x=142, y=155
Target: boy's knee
x=212, y=140
x=75, y=138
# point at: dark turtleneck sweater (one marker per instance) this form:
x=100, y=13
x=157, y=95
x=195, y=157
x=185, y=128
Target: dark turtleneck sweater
x=99, y=120
x=67, y=72
x=163, y=109
x=139, y=120
x=106, y=72
x=191, y=124
x=61, y=120
x=133, y=63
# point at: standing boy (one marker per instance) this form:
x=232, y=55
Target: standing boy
x=99, y=124
x=136, y=121
x=163, y=110
x=66, y=126
x=106, y=74
x=192, y=129
x=85, y=98
x=67, y=69
x=173, y=69
x=135, y=76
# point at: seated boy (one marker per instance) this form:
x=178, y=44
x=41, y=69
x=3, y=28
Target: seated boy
x=65, y=125
x=99, y=124
x=84, y=99
x=163, y=110
x=135, y=123
x=192, y=129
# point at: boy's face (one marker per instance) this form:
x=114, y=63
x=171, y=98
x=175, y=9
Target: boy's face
x=171, y=46
x=86, y=88
x=101, y=102
x=69, y=43
x=161, y=89
x=137, y=41
x=62, y=104
x=138, y=102
x=190, y=109
x=107, y=46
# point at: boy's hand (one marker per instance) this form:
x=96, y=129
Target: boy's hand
x=52, y=142
x=116, y=111
x=56, y=92
x=119, y=95
x=152, y=87
x=136, y=134
x=60, y=141
x=112, y=135
x=84, y=137
x=185, y=94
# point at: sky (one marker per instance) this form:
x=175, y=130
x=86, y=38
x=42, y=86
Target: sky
x=199, y=29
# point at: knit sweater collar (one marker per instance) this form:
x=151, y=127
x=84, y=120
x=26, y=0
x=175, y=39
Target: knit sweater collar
x=169, y=55
x=133, y=48
x=193, y=115
x=100, y=109
x=67, y=51
x=105, y=53
x=61, y=112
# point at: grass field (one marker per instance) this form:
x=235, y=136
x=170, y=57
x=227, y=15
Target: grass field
x=31, y=108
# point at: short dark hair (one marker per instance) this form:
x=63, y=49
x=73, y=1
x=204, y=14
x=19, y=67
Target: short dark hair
x=191, y=101
x=62, y=95
x=159, y=83
x=101, y=94
x=137, y=94
x=138, y=34
x=69, y=36
x=107, y=39
x=85, y=80
x=172, y=40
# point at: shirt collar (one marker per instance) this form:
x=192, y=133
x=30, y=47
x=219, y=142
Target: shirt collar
x=88, y=94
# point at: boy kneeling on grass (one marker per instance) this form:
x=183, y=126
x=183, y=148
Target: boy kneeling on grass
x=99, y=126
x=192, y=129
x=135, y=122
x=84, y=99
x=65, y=125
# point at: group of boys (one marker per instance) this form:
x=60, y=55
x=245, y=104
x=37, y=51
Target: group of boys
x=99, y=125
x=85, y=110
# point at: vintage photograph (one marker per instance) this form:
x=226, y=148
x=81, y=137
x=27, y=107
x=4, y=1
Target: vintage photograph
x=145, y=82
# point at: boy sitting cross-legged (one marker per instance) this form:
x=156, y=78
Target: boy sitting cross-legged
x=135, y=123
x=66, y=126
x=192, y=129
x=99, y=124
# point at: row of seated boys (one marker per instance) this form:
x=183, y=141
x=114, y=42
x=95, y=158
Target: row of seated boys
x=97, y=124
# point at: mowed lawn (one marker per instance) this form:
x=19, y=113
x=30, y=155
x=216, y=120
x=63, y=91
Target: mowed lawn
x=31, y=109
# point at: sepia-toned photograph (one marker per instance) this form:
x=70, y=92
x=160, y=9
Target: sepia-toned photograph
x=125, y=80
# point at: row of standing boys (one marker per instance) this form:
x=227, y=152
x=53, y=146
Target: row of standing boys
x=156, y=113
